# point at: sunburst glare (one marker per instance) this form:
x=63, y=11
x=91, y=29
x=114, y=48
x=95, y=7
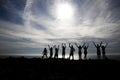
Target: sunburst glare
x=64, y=11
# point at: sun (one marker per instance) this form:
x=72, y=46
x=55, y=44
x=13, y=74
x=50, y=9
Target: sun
x=64, y=11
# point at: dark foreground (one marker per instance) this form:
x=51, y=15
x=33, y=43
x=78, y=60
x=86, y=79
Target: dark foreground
x=58, y=69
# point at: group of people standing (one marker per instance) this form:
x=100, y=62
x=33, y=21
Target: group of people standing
x=85, y=46
x=99, y=47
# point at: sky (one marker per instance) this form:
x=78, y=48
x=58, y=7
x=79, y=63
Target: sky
x=28, y=26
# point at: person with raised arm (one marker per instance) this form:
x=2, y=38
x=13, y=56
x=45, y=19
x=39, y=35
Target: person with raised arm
x=51, y=51
x=56, y=51
x=85, y=50
x=44, y=53
x=79, y=49
x=98, y=49
x=63, y=50
x=103, y=47
x=72, y=50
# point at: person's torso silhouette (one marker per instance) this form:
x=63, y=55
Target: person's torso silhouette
x=98, y=50
x=63, y=50
x=85, y=51
x=103, y=47
x=103, y=50
x=80, y=49
x=72, y=49
x=56, y=52
x=44, y=53
x=51, y=52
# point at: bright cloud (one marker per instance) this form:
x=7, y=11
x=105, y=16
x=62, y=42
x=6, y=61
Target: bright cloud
x=75, y=21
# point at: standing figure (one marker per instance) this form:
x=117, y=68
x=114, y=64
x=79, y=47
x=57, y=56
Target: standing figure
x=44, y=53
x=51, y=51
x=85, y=51
x=79, y=49
x=56, y=51
x=72, y=50
x=63, y=50
x=98, y=49
x=103, y=47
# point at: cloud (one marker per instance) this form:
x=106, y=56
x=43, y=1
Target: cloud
x=93, y=20
x=12, y=10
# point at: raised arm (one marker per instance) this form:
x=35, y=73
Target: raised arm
x=101, y=43
x=49, y=46
x=87, y=45
x=54, y=46
x=76, y=44
x=106, y=45
x=58, y=47
x=83, y=45
x=69, y=44
x=94, y=44
x=64, y=45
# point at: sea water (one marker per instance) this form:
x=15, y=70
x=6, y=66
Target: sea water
x=114, y=56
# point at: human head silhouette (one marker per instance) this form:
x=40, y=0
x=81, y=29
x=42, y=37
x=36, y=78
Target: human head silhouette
x=97, y=45
x=72, y=46
x=103, y=46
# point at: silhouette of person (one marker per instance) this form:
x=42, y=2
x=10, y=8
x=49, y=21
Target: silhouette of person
x=79, y=49
x=85, y=51
x=63, y=50
x=44, y=53
x=72, y=50
x=56, y=51
x=51, y=51
x=98, y=50
x=103, y=47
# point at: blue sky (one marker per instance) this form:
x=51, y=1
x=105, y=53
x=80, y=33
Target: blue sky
x=27, y=26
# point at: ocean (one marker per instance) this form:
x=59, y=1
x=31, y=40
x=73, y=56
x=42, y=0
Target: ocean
x=89, y=56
